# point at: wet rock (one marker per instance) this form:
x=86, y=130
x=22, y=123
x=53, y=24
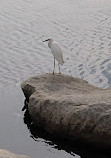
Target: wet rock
x=70, y=107
x=7, y=154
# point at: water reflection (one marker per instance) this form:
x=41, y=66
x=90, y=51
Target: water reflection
x=73, y=148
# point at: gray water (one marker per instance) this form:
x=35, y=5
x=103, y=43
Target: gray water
x=81, y=27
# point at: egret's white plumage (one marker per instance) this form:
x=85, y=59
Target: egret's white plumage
x=56, y=51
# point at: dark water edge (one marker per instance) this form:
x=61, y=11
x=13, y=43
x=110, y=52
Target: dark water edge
x=19, y=135
x=83, y=149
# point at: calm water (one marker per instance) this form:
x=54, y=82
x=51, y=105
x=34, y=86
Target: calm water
x=83, y=29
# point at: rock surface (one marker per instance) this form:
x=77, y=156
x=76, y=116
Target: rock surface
x=7, y=154
x=70, y=107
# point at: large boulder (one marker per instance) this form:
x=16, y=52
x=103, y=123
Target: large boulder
x=7, y=154
x=70, y=107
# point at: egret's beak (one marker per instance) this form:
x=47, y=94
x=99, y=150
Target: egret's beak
x=46, y=40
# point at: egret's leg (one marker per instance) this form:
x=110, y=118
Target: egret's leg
x=59, y=68
x=54, y=66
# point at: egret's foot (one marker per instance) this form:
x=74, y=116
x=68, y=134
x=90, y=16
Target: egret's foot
x=59, y=72
x=53, y=73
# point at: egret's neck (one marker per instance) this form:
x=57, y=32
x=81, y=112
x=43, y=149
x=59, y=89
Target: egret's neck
x=50, y=42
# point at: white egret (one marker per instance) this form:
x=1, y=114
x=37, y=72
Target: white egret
x=56, y=51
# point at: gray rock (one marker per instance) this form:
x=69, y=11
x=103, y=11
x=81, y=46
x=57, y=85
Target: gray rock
x=7, y=154
x=70, y=107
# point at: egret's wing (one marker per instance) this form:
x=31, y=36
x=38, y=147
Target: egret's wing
x=57, y=52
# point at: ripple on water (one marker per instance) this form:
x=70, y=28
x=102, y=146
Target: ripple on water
x=85, y=39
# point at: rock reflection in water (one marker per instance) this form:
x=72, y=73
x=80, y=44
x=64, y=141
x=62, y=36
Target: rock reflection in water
x=84, y=150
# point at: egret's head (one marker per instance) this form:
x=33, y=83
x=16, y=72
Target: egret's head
x=49, y=39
